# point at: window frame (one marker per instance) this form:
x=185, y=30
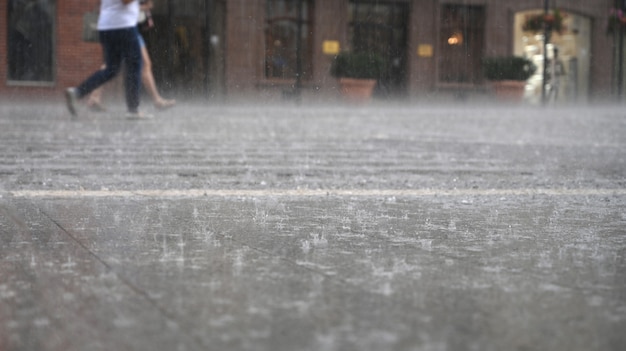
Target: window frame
x=273, y=17
x=472, y=44
x=11, y=80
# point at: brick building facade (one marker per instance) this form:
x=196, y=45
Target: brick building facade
x=216, y=49
x=72, y=58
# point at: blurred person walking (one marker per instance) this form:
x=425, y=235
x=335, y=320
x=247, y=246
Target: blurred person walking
x=145, y=21
x=117, y=27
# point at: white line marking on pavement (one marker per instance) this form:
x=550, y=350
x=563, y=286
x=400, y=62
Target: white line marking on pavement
x=196, y=193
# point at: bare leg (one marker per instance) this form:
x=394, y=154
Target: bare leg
x=148, y=82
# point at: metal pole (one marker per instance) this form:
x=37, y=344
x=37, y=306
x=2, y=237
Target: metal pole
x=207, y=48
x=620, y=57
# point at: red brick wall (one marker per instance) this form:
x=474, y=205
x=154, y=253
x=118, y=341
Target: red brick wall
x=76, y=59
x=244, y=45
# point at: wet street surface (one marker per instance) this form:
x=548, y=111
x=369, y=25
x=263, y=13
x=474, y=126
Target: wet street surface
x=313, y=228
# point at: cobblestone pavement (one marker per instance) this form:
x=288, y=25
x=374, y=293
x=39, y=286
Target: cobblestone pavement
x=241, y=227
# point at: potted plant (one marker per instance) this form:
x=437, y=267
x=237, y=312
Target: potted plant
x=617, y=21
x=508, y=75
x=358, y=73
x=536, y=22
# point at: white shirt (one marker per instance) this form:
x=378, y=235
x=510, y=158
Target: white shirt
x=115, y=15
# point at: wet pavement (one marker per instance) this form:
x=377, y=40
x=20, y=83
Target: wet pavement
x=245, y=227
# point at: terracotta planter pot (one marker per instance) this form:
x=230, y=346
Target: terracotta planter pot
x=357, y=90
x=509, y=90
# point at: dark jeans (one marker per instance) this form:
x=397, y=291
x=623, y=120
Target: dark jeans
x=118, y=45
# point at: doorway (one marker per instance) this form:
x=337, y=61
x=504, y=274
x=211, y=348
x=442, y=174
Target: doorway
x=187, y=47
x=568, y=52
x=381, y=28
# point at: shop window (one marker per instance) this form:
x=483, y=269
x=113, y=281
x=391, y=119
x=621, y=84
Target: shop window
x=381, y=28
x=461, y=43
x=30, y=40
x=281, y=39
x=568, y=74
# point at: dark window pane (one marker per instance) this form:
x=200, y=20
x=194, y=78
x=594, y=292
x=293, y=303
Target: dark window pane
x=30, y=40
x=281, y=39
x=381, y=28
x=461, y=43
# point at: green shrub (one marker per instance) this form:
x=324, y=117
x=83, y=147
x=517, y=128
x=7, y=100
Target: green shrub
x=508, y=68
x=358, y=65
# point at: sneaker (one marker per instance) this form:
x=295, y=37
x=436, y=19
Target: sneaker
x=138, y=115
x=70, y=100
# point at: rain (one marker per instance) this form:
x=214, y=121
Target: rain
x=274, y=214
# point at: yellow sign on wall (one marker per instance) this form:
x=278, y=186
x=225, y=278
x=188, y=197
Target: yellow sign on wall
x=425, y=50
x=330, y=47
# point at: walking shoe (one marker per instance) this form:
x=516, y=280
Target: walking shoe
x=70, y=100
x=138, y=115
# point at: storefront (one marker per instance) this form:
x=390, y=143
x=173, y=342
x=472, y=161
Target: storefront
x=264, y=49
x=568, y=53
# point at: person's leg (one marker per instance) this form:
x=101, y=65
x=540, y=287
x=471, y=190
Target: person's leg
x=148, y=79
x=95, y=98
x=132, y=79
x=112, y=51
x=113, y=59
